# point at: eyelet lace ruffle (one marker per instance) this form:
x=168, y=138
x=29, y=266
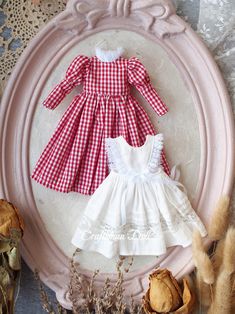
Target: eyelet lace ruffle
x=155, y=158
x=115, y=161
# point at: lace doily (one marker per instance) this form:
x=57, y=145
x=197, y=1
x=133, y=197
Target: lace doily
x=20, y=21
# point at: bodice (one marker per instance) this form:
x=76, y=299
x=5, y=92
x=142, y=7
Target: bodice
x=107, y=78
x=135, y=161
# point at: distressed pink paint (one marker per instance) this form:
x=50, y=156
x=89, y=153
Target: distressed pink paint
x=160, y=24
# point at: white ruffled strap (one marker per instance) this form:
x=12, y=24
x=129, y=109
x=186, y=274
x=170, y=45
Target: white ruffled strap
x=155, y=158
x=115, y=161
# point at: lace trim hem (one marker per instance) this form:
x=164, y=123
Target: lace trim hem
x=150, y=230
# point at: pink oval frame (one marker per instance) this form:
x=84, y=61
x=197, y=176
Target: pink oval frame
x=156, y=20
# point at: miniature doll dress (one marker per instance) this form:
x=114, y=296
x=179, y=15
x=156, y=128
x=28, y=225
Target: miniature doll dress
x=74, y=158
x=138, y=209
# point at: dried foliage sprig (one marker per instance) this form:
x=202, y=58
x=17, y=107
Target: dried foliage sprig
x=135, y=308
x=110, y=299
x=84, y=296
x=46, y=303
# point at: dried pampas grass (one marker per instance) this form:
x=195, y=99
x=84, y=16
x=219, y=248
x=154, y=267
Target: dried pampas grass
x=217, y=256
x=216, y=274
x=201, y=259
x=222, y=303
x=229, y=251
x=203, y=290
x=220, y=219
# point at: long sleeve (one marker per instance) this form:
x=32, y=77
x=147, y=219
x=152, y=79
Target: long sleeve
x=138, y=76
x=73, y=77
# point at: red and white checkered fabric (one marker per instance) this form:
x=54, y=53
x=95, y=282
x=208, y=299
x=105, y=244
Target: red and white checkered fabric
x=75, y=158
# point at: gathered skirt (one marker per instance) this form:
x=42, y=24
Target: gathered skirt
x=75, y=158
x=137, y=218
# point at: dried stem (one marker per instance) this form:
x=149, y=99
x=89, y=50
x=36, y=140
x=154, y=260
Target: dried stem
x=76, y=285
x=46, y=304
x=109, y=301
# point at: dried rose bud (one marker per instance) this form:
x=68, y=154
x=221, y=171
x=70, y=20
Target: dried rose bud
x=9, y=219
x=164, y=295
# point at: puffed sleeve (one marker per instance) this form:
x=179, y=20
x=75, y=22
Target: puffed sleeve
x=138, y=76
x=73, y=77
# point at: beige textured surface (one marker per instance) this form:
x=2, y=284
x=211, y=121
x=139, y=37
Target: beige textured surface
x=61, y=212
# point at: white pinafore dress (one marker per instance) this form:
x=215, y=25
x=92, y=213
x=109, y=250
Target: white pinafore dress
x=138, y=209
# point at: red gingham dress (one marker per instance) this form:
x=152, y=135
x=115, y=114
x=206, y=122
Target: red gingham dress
x=75, y=158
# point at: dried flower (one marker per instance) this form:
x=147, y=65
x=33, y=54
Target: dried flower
x=11, y=231
x=164, y=294
x=9, y=219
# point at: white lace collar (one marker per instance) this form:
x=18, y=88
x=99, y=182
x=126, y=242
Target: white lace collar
x=108, y=55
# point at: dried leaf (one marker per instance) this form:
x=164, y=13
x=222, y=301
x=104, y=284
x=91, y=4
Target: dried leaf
x=14, y=258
